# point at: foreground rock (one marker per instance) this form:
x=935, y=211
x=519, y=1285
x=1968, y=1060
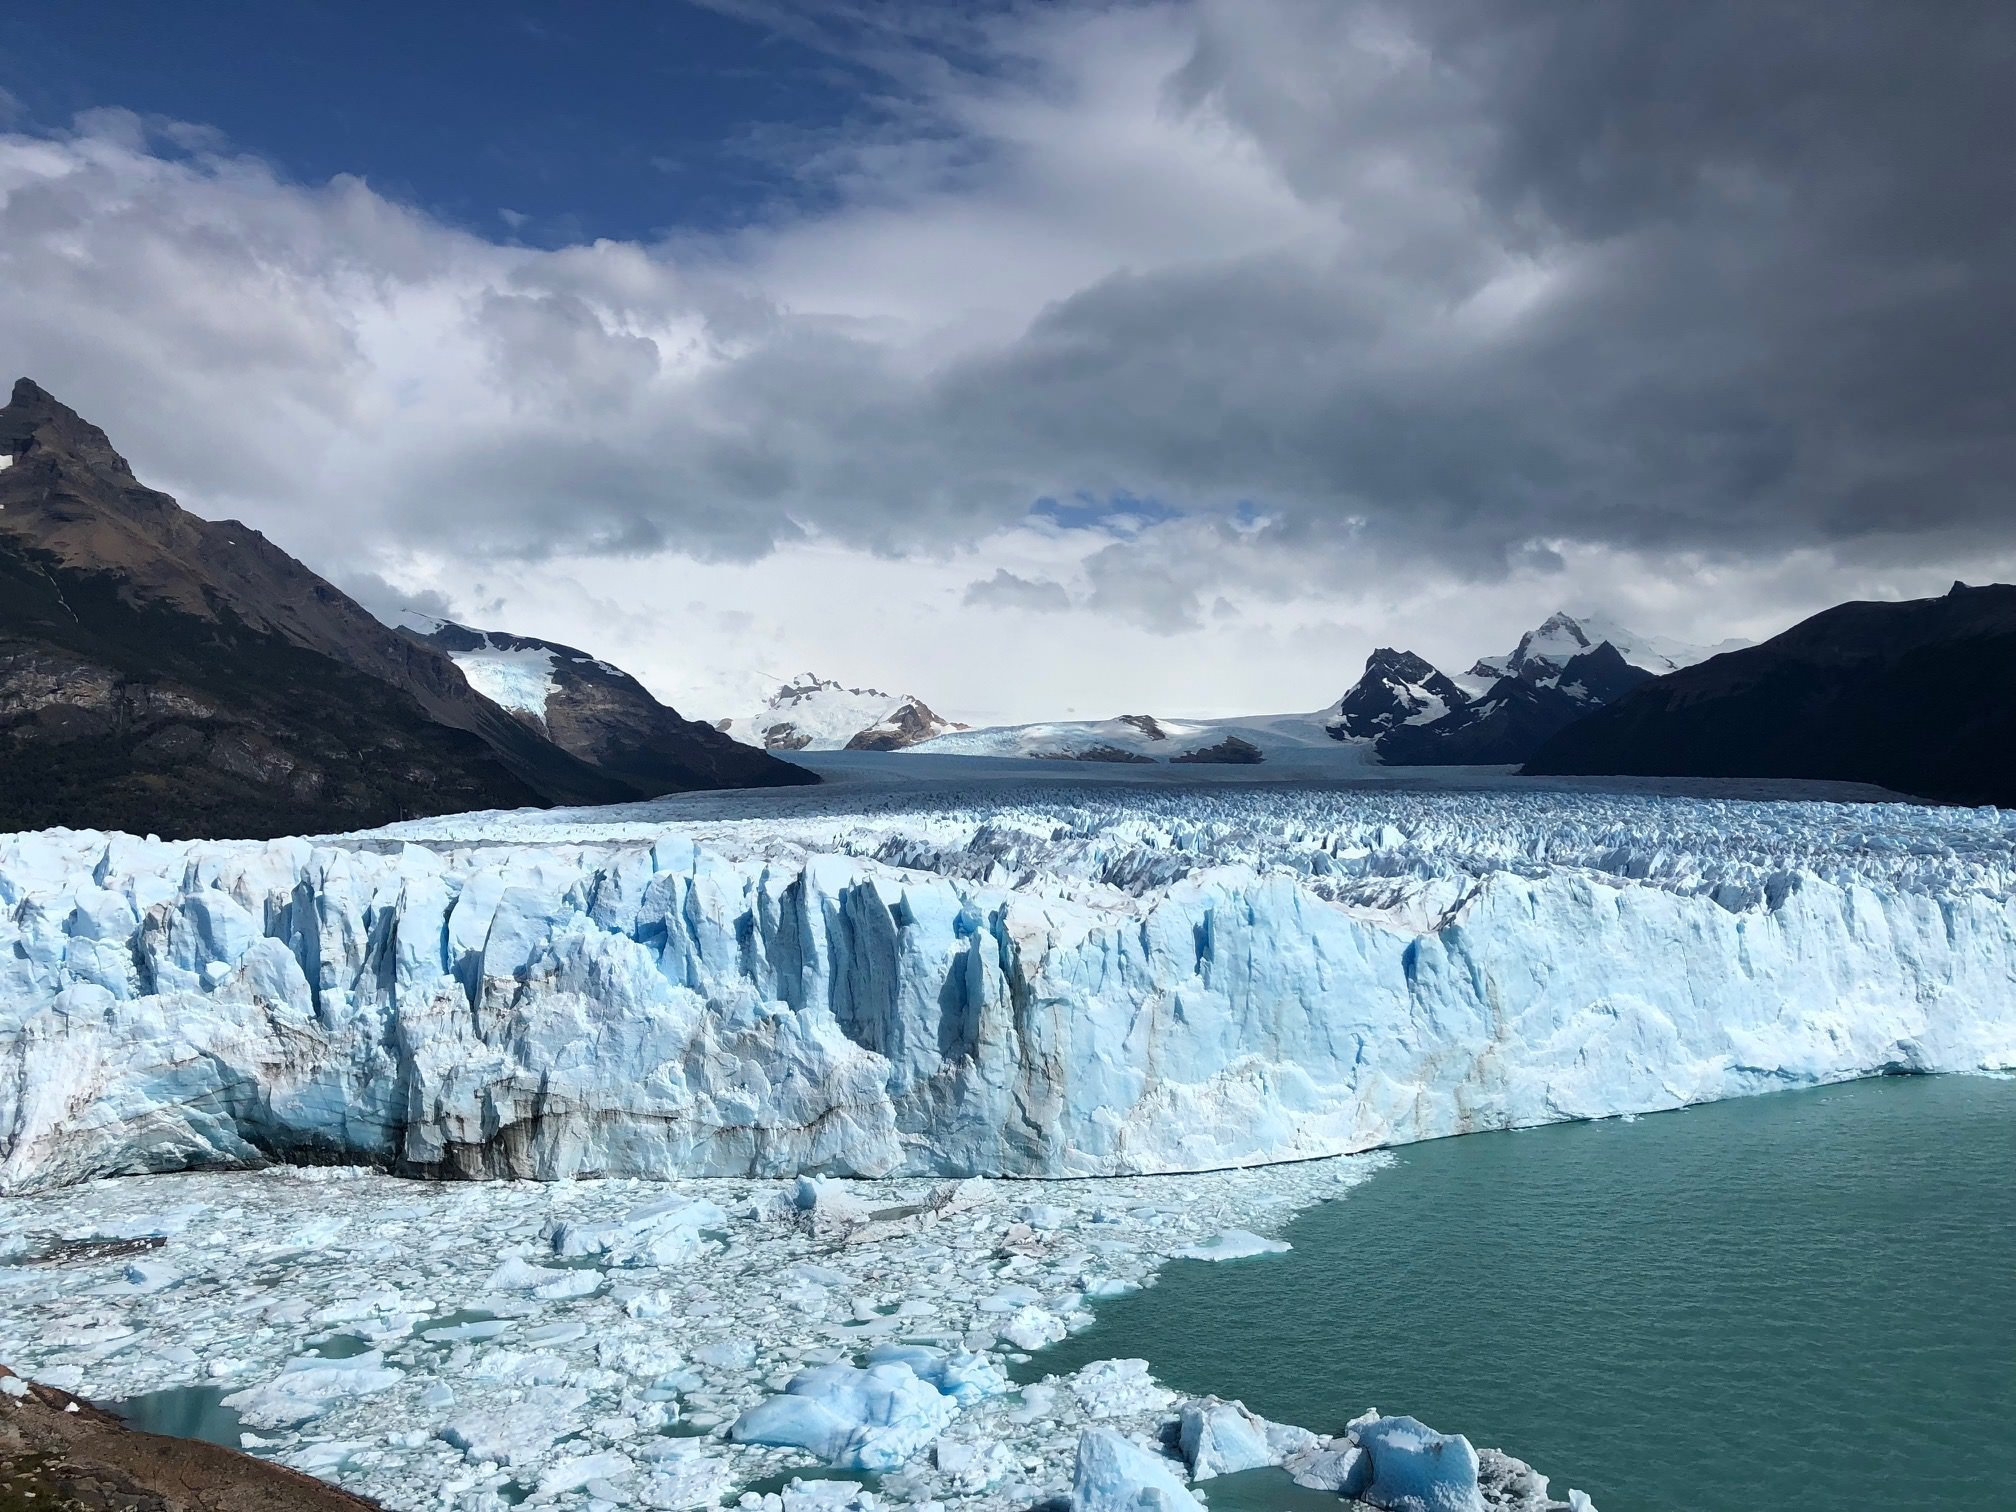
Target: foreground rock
x=60, y=1454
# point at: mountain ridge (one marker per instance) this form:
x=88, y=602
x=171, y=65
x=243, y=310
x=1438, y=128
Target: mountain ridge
x=160, y=672
x=1917, y=695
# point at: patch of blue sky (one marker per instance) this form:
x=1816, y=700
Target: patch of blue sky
x=535, y=120
x=1114, y=514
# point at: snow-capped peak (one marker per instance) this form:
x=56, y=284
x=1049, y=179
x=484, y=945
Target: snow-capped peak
x=813, y=713
x=1562, y=637
x=1397, y=688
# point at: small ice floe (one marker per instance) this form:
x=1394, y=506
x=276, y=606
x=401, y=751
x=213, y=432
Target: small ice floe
x=1117, y=1388
x=666, y=1232
x=876, y=1418
x=518, y=1432
x=1234, y=1244
x=548, y=1284
x=679, y=1476
x=1116, y=1474
x=309, y=1386
x=852, y=1419
x=1223, y=1438
x=1409, y=1465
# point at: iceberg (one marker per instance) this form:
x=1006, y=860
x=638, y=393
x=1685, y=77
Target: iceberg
x=1412, y=1468
x=853, y=1419
x=1115, y=1474
x=1050, y=982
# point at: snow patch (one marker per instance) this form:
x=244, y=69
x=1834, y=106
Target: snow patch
x=521, y=681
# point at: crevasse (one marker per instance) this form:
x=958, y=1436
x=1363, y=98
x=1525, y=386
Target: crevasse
x=1040, y=990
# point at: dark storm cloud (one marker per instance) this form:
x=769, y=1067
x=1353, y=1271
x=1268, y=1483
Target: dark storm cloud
x=1780, y=237
x=1457, y=282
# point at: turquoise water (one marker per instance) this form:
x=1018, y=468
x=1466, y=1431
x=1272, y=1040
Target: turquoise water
x=191, y=1412
x=1805, y=1300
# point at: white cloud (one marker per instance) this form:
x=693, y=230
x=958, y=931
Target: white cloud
x=1294, y=272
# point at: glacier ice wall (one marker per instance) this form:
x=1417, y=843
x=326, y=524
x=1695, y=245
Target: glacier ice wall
x=1106, y=985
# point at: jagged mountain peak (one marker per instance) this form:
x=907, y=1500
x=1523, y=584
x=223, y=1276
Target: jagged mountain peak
x=1563, y=635
x=169, y=672
x=814, y=713
x=1397, y=688
x=37, y=427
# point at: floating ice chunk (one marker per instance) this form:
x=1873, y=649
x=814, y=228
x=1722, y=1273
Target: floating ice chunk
x=666, y=1232
x=1415, y=1469
x=963, y=1376
x=568, y=1285
x=1222, y=1438
x=684, y=1481
x=1113, y=1388
x=972, y=1467
x=1327, y=1465
x=828, y=1496
x=151, y=1275
x=549, y=1283
x=326, y=1458
x=518, y=1367
x=873, y=1419
x=813, y=1192
x=1578, y=1501
x=727, y=1354
x=816, y=1275
x=1043, y=1216
x=1098, y=1288
x=308, y=1387
x=565, y=1332
x=516, y=1274
x=1116, y=1474
x=960, y=1196
x=574, y=1472
x=460, y=1333
x=520, y=1429
x=1032, y=1328
x=1010, y=1298
x=1234, y=1244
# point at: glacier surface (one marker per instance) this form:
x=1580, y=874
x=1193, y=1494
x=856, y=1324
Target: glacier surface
x=1013, y=979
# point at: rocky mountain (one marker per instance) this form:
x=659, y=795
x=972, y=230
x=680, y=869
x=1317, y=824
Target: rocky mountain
x=1416, y=715
x=1919, y=696
x=1562, y=637
x=1516, y=714
x=816, y=714
x=1397, y=688
x=164, y=673
x=598, y=712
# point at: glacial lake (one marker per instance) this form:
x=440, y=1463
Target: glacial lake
x=1800, y=1301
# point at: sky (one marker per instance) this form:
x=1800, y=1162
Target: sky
x=1041, y=360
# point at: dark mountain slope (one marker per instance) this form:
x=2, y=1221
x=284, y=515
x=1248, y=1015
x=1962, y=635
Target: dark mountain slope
x=1516, y=715
x=1917, y=696
x=165, y=673
x=1396, y=688
x=607, y=718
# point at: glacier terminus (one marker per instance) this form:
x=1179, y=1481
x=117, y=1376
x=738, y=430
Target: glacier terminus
x=1034, y=979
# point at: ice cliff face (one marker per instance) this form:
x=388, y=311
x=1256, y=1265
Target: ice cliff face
x=1064, y=985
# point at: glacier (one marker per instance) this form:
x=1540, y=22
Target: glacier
x=1007, y=979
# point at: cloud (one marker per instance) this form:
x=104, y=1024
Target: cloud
x=1008, y=590
x=388, y=601
x=1391, y=309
